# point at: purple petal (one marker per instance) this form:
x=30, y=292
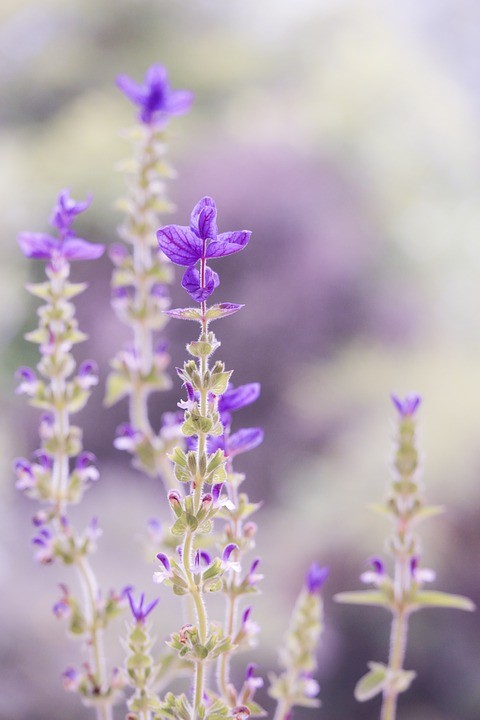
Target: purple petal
x=228, y=243
x=228, y=551
x=78, y=249
x=178, y=102
x=236, y=398
x=38, y=246
x=408, y=406
x=131, y=89
x=65, y=210
x=180, y=244
x=203, y=220
x=191, y=283
x=315, y=578
x=244, y=440
x=156, y=77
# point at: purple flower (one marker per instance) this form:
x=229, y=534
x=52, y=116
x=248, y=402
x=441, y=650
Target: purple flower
x=165, y=572
x=156, y=99
x=65, y=211
x=236, y=398
x=243, y=441
x=140, y=612
x=201, y=558
x=187, y=245
x=408, y=406
x=71, y=679
x=28, y=381
x=228, y=564
x=127, y=438
x=377, y=575
x=315, y=578
x=88, y=374
x=41, y=246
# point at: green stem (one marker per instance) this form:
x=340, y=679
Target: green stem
x=96, y=644
x=398, y=641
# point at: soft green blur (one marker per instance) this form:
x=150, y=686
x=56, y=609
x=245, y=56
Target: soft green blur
x=344, y=133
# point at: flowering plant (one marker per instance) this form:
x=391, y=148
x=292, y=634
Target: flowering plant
x=207, y=547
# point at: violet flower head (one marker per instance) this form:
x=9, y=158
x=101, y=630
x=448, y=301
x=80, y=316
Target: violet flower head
x=315, y=578
x=200, y=242
x=41, y=246
x=408, y=406
x=155, y=98
x=140, y=612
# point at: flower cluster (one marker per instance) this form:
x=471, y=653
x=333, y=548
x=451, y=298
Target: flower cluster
x=142, y=274
x=61, y=470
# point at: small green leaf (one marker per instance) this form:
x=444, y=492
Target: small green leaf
x=428, y=511
x=363, y=597
x=433, y=598
x=185, y=314
x=372, y=683
x=222, y=310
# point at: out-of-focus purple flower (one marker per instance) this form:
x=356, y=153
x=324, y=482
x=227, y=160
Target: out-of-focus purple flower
x=44, y=461
x=310, y=686
x=155, y=98
x=65, y=211
x=41, y=246
x=118, y=254
x=420, y=575
x=253, y=576
x=127, y=437
x=155, y=530
x=25, y=477
x=377, y=574
x=408, y=406
x=249, y=626
x=315, y=578
x=28, y=381
x=200, y=241
x=62, y=608
x=139, y=611
x=71, y=679
x=252, y=682
x=88, y=374
x=44, y=549
x=85, y=467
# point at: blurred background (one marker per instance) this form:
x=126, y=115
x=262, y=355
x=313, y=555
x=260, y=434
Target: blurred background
x=345, y=134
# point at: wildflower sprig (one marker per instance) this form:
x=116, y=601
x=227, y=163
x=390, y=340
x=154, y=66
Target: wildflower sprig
x=296, y=685
x=61, y=470
x=402, y=593
x=142, y=274
x=204, y=470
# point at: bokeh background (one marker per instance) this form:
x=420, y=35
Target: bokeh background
x=345, y=134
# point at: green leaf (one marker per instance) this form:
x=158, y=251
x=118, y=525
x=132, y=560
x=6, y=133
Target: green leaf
x=185, y=314
x=433, y=598
x=363, y=597
x=222, y=310
x=372, y=683
x=428, y=511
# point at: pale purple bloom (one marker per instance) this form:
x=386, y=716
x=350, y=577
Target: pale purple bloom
x=251, y=681
x=253, y=576
x=44, y=460
x=88, y=374
x=155, y=98
x=44, y=550
x=65, y=211
x=315, y=578
x=408, y=406
x=41, y=246
x=201, y=558
x=310, y=688
x=127, y=437
x=165, y=572
x=62, y=608
x=28, y=381
x=155, y=530
x=377, y=575
x=71, y=679
x=85, y=468
x=118, y=254
x=25, y=477
x=228, y=564
x=421, y=575
x=139, y=611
